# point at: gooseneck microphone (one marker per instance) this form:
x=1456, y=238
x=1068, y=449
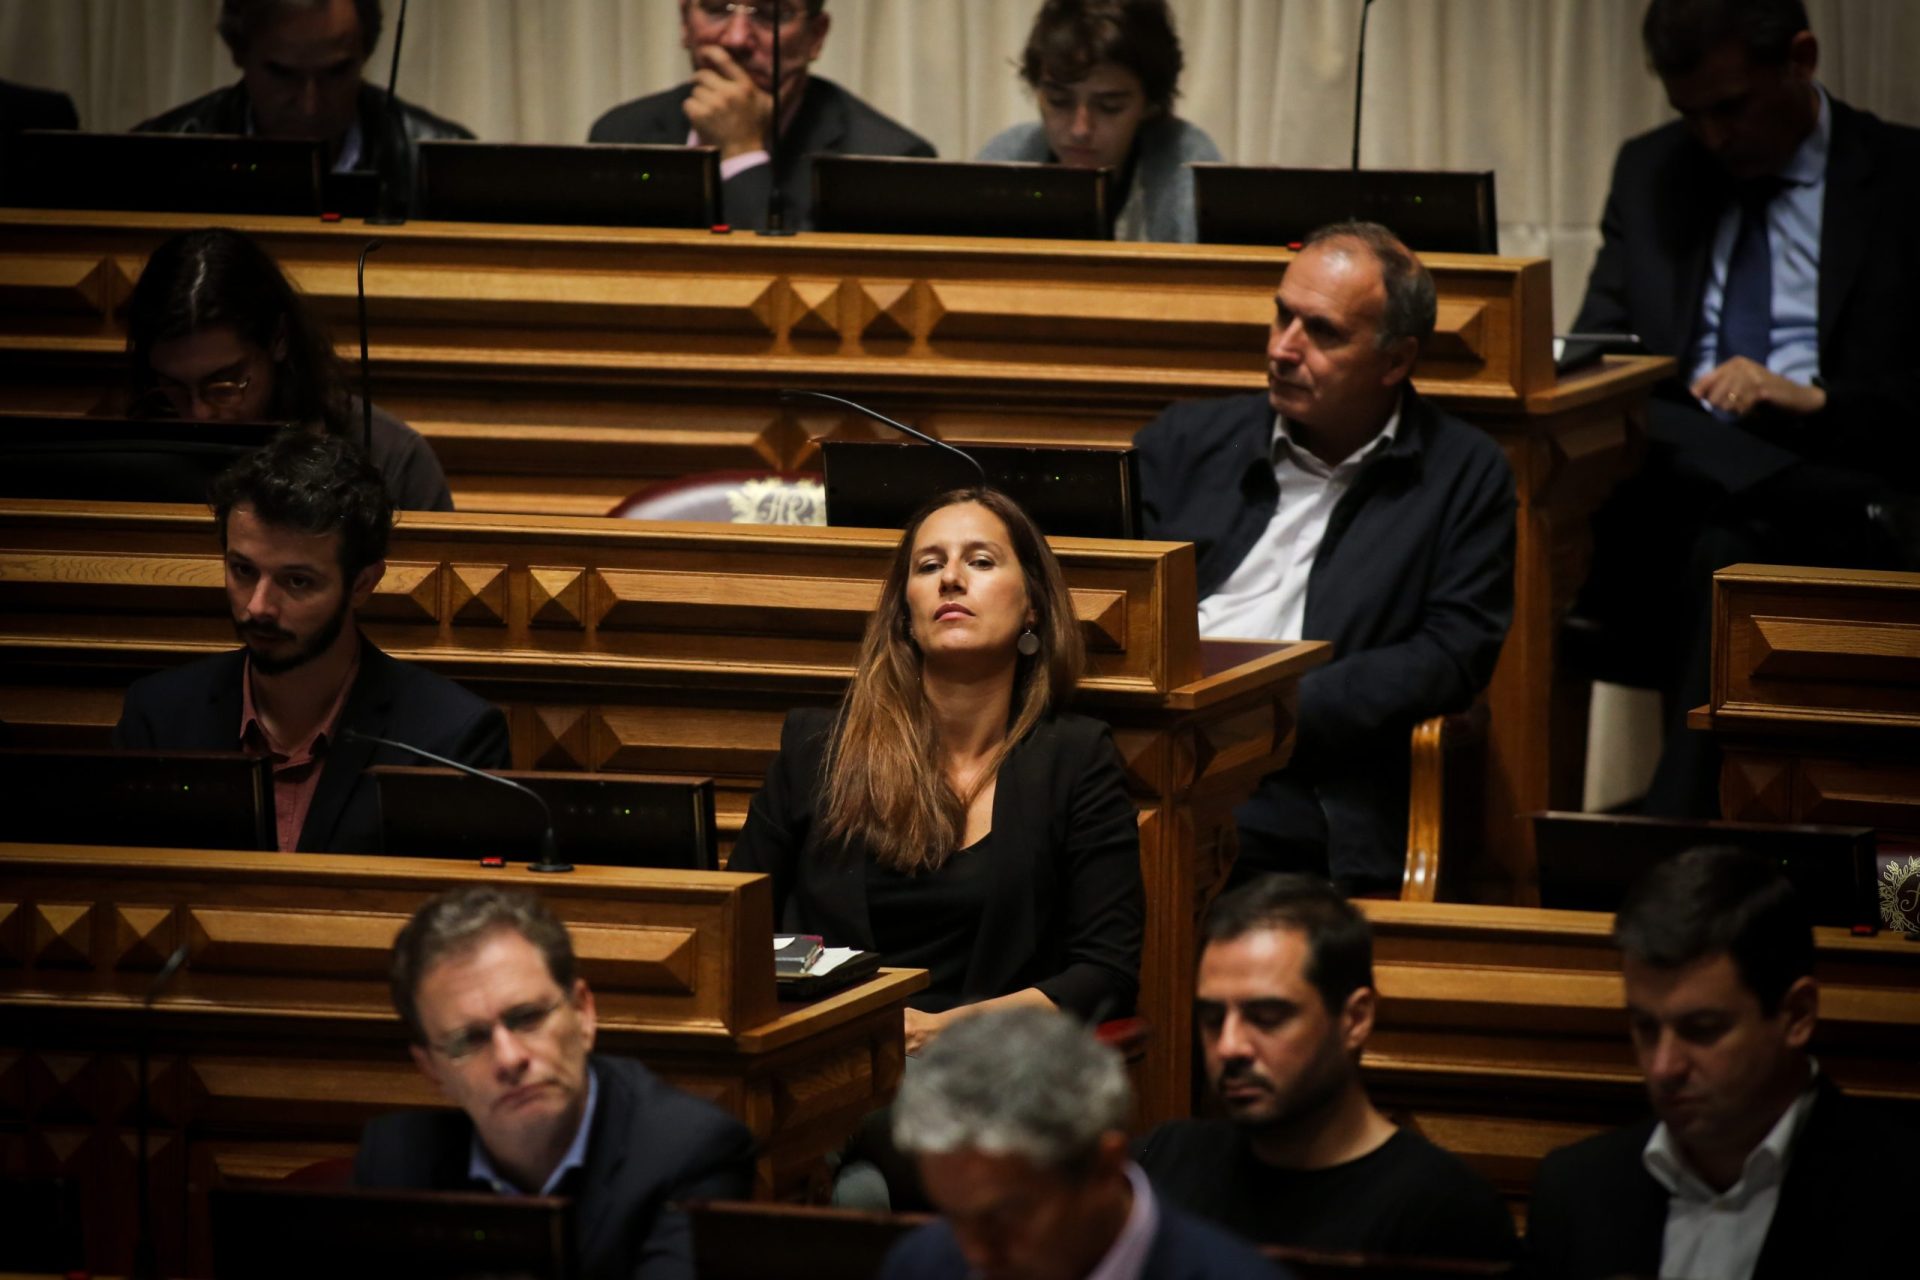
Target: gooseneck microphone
x=776, y=194
x=549, y=859
x=1360, y=78
x=884, y=420
x=146, y=1262
x=366, y=375
x=384, y=216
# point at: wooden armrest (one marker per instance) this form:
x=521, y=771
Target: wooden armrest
x=1440, y=745
x=336, y=1171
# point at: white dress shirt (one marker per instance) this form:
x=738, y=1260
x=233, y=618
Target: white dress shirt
x=1127, y=1259
x=1717, y=1235
x=1265, y=597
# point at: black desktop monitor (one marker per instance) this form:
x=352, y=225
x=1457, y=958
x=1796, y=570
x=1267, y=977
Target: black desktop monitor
x=1589, y=860
x=120, y=459
x=1069, y=492
x=152, y=799
x=601, y=185
x=164, y=172
x=910, y=196
x=305, y=1233
x=599, y=819
x=1433, y=211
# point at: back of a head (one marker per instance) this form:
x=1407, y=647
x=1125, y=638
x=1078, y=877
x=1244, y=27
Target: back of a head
x=1716, y=900
x=1413, y=300
x=1071, y=37
x=1679, y=34
x=1024, y=1082
x=217, y=276
x=458, y=919
x=1339, y=939
x=316, y=484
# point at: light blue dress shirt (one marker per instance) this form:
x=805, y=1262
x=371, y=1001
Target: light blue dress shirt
x=1793, y=241
x=480, y=1166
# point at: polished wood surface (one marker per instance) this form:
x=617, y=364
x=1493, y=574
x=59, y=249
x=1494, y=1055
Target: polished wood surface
x=278, y=1041
x=661, y=648
x=1501, y=1032
x=557, y=369
x=1816, y=696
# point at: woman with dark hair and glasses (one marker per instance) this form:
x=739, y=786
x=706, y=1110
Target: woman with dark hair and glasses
x=216, y=332
x=1106, y=73
x=950, y=814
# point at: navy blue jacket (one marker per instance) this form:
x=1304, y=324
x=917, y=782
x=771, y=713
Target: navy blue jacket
x=1184, y=1248
x=196, y=707
x=1413, y=585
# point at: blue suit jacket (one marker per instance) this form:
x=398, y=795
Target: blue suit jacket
x=1184, y=1248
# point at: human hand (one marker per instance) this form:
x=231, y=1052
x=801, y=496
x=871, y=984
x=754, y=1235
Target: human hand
x=922, y=1030
x=1741, y=386
x=727, y=109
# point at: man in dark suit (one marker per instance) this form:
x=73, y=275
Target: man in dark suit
x=300, y=63
x=303, y=526
x=1755, y=1166
x=1017, y=1120
x=1284, y=1004
x=729, y=104
x=1342, y=506
x=1765, y=241
x=484, y=980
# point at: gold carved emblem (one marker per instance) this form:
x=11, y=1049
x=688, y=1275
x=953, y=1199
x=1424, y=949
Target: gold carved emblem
x=1900, y=894
x=776, y=501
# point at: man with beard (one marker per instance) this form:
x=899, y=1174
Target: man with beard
x=303, y=524
x=729, y=104
x=1285, y=1003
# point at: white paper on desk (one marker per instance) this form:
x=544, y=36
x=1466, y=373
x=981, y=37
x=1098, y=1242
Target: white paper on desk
x=831, y=958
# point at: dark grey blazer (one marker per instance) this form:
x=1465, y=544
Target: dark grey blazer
x=1184, y=1248
x=652, y=1148
x=1065, y=910
x=830, y=119
x=196, y=707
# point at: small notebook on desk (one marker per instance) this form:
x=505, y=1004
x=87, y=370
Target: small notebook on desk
x=805, y=968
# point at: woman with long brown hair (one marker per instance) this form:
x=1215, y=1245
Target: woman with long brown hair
x=950, y=814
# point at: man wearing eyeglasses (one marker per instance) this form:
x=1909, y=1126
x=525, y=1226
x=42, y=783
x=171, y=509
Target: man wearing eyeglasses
x=484, y=981
x=729, y=104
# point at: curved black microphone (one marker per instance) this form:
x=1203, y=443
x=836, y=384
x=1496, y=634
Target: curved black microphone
x=366, y=377
x=1360, y=79
x=146, y=1263
x=884, y=420
x=549, y=859
x=776, y=194
x=384, y=216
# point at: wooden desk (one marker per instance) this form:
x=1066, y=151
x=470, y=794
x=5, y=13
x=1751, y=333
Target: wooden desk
x=556, y=369
x=278, y=1040
x=1502, y=1035
x=663, y=648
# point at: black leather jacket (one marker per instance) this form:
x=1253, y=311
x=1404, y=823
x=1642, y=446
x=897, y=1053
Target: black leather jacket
x=388, y=140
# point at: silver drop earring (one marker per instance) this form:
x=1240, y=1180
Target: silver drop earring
x=1028, y=644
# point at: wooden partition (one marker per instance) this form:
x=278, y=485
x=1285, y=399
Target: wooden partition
x=556, y=369
x=663, y=648
x=1502, y=1032
x=278, y=1041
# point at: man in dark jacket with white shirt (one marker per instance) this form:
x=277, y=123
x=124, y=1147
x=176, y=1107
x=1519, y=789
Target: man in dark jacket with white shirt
x=1342, y=506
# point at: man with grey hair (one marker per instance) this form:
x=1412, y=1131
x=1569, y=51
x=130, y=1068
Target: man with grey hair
x=484, y=981
x=1017, y=1121
x=1342, y=506
x=300, y=63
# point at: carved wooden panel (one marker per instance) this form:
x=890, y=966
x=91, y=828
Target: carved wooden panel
x=1810, y=644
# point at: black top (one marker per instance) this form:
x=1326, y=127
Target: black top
x=1413, y=584
x=652, y=1147
x=829, y=120
x=929, y=921
x=404, y=459
x=1062, y=906
x=1407, y=1198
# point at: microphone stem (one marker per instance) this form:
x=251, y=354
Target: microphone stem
x=884, y=420
x=1360, y=78
x=549, y=859
x=366, y=374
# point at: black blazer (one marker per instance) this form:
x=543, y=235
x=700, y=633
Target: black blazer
x=1066, y=906
x=1184, y=1248
x=830, y=119
x=197, y=708
x=1413, y=584
x=652, y=1147
x=1668, y=196
x=1596, y=1212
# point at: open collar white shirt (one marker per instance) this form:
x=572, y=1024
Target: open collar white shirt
x=1127, y=1258
x=1265, y=597
x=1718, y=1235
